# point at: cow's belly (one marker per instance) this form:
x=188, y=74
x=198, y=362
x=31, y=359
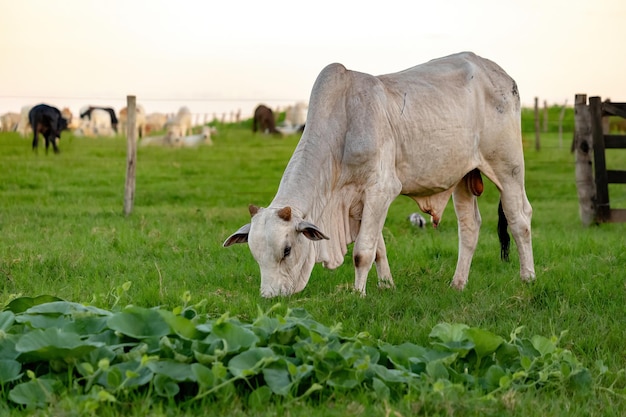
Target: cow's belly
x=432, y=177
x=431, y=160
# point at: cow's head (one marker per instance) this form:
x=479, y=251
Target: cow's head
x=281, y=243
x=61, y=126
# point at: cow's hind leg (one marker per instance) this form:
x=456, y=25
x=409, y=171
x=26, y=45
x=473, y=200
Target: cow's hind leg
x=469, y=221
x=55, y=147
x=35, y=139
x=518, y=212
x=383, y=271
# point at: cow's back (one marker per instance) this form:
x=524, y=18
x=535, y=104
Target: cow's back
x=450, y=112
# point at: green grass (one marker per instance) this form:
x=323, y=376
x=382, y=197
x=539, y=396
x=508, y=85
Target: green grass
x=62, y=232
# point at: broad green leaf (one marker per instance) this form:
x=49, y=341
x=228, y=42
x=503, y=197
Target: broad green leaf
x=174, y=370
x=392, y=375
x=43, y=321
x=260, y=397
x=251, y=361
x=127, y=374
x=235, y=336
x=7, y=346
x=507, y=355
x=139, y=323
x=165, y=386
x=112, y=378
x=66, y=308
x=34, y=393
x=182, y=326
x=437, y=370
x=401, y=355
x=20, y=305
x=344, y=378
x=381, y=389
x=277, y=378
x=485, y=342
x=86, y=325
x=543, y=345
x=447, y=332
x=7, y=318
x=492, y=378
x=203, y=375
x=10, y=370
x=264, y=326
x=52, y=344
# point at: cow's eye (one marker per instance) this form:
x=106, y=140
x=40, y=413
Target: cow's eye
x=287, y=251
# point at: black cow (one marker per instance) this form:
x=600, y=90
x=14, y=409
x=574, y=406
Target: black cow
x=264, y=120
x=109, y=110
x=48, y=121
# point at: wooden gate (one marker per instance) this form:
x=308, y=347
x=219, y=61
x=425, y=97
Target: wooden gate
x=592, y=132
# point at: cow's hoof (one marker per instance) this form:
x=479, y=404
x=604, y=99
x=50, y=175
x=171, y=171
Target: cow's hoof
x=528, y=277
x=458, y=285
x=386, y=284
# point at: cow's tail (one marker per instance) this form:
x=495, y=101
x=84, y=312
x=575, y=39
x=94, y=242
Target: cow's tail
x=503, y=234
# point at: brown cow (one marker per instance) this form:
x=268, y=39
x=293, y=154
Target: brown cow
x=264, y=120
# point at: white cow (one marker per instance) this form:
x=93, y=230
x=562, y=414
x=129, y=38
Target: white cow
x=295, y=116
x=23, y=126
x=9, y=122
x=140, y=121
x=427, y=133
x=96, y=121
x=178, y=127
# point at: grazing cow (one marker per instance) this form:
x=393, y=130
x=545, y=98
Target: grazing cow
x=9, y=122
x=140, y=118
x=155, y=122
x=295, y=116
x=72, y=123
x=88, y=114
x=48, y=121
x=428, y=133
x=23, y=126
x=178, y=127
x=97, y=121
x=264, y=120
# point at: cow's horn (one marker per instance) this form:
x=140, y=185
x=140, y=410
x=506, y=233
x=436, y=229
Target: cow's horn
x=285, y=213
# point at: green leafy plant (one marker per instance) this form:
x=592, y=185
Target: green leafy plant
x=52, y=349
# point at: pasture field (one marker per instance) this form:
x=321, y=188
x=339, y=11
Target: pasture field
x=63, y=233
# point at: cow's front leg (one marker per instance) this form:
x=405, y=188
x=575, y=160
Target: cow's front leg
x=382, y=265
x=366, y=247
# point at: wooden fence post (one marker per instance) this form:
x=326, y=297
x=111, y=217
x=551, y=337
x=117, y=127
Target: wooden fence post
x=583, y=148
x=537, y=124
x=131, y=155
x=603, y=213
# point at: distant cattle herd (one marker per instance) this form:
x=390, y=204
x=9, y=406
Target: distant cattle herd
x=99, y=121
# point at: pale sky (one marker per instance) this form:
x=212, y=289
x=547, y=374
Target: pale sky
x=216, y=55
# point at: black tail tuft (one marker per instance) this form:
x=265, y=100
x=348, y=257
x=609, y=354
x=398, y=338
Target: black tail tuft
x=505, y=240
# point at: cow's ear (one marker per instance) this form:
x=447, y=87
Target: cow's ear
x=310, y=231
x=240, y=236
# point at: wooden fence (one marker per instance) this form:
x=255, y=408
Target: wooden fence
x=591, y=140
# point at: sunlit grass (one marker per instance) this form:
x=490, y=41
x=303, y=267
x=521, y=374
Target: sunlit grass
x=63, y=233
